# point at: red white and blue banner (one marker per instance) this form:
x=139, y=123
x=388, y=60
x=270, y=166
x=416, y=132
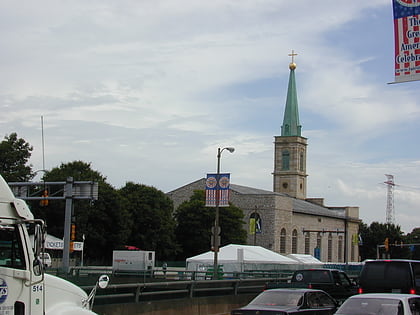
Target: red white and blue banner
x=407, y=40
x=217, y=189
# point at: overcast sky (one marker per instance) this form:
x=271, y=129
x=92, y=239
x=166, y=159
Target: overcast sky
x=146, y=91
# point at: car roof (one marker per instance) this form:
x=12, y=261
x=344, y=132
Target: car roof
x=384, y=296
x=294, y=290
x=391, y=260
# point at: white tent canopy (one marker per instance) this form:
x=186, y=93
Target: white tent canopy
x=305, y=259
x=239, y=258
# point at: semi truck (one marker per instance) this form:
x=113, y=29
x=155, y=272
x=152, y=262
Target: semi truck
x=25, y=289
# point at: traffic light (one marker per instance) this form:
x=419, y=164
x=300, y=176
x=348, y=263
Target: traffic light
x=44, y=202
x=73, y=232
x=386, y=244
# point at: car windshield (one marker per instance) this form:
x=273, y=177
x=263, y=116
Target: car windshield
x=365, y=306
x=278, y=298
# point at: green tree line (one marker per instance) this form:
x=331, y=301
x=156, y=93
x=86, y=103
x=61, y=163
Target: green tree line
x=134, y=215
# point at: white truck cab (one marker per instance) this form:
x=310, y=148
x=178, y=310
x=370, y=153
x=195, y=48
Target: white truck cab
x=24, y=287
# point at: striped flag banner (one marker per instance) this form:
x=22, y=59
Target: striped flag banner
x=217, y=187
x=407, y=40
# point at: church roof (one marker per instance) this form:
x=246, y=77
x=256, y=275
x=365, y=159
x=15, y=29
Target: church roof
x=299, y=205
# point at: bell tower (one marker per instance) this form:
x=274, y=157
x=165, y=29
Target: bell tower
x=289, y=174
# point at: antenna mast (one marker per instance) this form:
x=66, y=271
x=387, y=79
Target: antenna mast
x=390, y=215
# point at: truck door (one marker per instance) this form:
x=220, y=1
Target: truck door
x=21, y=282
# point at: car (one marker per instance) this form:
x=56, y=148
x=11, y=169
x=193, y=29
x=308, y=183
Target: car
x=390, y=276
x=381, y=303
x=289, y=301
x=335, y=282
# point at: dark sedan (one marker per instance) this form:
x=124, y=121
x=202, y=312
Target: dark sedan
x=289, y=301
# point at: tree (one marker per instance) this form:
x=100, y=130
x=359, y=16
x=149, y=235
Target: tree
x=14, y=155
x=151, y=219
x=195, y=220
x=376, y=234
x=103, y=222
x=413, y=238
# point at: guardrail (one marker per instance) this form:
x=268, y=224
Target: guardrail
x=147, y=291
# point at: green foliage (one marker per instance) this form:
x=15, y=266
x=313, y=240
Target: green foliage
x=14, y=155
x=195, y=221
x=375, y=234
x=413, y=238
x=151, y=220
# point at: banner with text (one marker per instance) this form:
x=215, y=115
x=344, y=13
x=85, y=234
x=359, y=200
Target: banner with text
x=407, y=40
x=217, y=188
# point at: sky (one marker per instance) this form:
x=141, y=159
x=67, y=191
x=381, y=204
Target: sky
x=147, y=91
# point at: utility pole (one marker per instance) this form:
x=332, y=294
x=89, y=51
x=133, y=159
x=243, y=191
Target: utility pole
x=390, y=214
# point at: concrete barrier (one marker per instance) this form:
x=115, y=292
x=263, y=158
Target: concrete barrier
x=214, y=305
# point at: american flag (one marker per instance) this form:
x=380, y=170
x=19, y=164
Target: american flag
x=407, y=39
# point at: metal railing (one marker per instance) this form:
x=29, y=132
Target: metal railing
x=147, y=291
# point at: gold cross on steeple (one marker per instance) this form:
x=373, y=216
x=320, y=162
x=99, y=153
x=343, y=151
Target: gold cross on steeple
x=293, y=55
x=292, y=65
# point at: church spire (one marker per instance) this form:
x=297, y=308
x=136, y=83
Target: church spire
x=291, y=125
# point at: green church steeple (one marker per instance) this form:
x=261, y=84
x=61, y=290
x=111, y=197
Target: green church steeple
x=291, y=125
x=289, y=176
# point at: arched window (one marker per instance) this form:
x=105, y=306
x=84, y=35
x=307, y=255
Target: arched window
x=307, y=243
x=254, y=223
x=285, y=160
x=340, y=248
x=294, y=241
x=283, y=241
x=329, y=249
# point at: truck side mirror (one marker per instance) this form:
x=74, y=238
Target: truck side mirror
x=103, y=281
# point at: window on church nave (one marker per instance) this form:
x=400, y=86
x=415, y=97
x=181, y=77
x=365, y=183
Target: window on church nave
x=307, y=243
x=340, y=249
x=285, y=160
x=283, y=241
x=329, y=249
x=294, y=241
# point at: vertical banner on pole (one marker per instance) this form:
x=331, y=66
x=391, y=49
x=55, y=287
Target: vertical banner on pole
x=217, y=188
x=407, y=40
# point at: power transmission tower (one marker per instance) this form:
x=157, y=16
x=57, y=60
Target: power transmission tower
x=390, y=215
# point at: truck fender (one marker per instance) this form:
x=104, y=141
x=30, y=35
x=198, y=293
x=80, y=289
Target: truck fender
x=68, y=310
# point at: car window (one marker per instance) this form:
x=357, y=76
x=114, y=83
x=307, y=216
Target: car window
x=344, y=280
x=366, y=306
x=414, y=305
x=319, y=300
x=278, y=298
x=386, y=274
x=416, y=271
x=315, y=276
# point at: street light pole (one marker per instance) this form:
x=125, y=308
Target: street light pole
x=216, y=230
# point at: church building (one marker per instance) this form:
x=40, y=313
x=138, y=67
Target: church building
x=285, y=220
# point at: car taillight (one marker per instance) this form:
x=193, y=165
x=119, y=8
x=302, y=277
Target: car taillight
x=412, y=291
x=360, y=290
x=310, y=285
